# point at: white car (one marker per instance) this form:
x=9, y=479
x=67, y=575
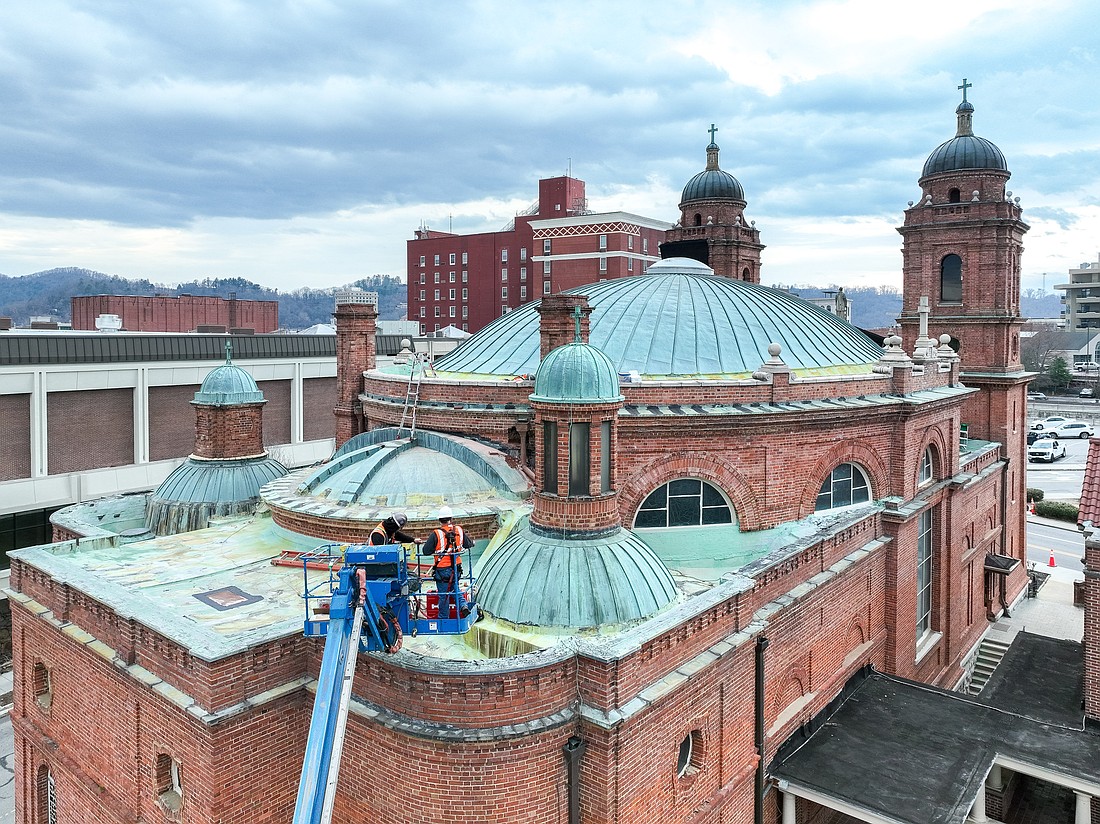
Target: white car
x=1036, y=396
x=1046, y=449
x=1049, y=423
x=1071, y=429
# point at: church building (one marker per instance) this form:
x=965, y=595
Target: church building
x=727, y=546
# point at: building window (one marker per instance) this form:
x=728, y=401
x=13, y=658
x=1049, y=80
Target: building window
x=465, y=326
x=846, y=485
x=421, y=260
x=546, y=267
x=169, y=786
x=645, y=245
x=603, y=242
x=436, y=327
x=504, y=293
x=465, y=313
x=422, y=294
x=437, y=311
x=951, y=283
x=437, y=260
x=451, y=310
x=465, y=293
x=550, y=457
x=546, y=246
x=689, y=758
x=523, y=293
x=546, y=287
x=450, y=294
x=451, y=277
x=523, y=253
x=630, y=241
x=423, y=313
x=465, y=258
x=503, y=255
x=924, y=574
x=42, y=685
x=465, y=276
x=579, y=459
x=46, y=791
x=423, y=328
x=503, y=274
x=452, y=260
x=683, y=502
x=630, y=264
x=437, y=294
x=523, y=273
x=603, y=263
x=422, y=280
x=924, y=475
x=437, y=277
x=605, y=456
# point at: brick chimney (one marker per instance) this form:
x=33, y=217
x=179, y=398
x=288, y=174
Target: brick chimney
x=1091, y=641
x=225, y=432
x=557, y=321
x=355, y=354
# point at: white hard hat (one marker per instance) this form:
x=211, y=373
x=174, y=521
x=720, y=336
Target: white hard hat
x=445, y=513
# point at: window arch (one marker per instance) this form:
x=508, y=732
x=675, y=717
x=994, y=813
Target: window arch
x=683, y=502
x=954, y=196
x=846, y=485
x=697, y=220
x=926, y=472
x=47, y=796
x=951, y=282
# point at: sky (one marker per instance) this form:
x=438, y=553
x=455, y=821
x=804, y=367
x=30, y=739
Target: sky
x=300, y=143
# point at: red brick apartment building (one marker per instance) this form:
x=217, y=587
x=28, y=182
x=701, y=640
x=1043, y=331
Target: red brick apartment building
x=469, y=280
x=171, y=313
x=740, y=559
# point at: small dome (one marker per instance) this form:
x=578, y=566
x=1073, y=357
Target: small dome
x=228, y=385
x=550, y=581
x=965, y=150
x=712, y=183
x=576, y=373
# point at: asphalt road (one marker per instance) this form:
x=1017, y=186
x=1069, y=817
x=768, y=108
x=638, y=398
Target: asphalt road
x=1067, y=545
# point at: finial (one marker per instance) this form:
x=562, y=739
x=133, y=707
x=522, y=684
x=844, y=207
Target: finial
x=714, y=129
x=229, y=350
x=577, y=314
x=964, y=87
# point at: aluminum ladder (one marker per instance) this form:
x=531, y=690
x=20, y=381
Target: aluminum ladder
x=421, y=365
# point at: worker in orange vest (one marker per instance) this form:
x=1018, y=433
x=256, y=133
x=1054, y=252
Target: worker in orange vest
x=389, y=531
x=447, y=543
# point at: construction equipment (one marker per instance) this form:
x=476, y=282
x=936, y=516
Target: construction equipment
x=421, y=365
x=366, y=602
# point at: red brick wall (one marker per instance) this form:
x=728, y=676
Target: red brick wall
x=171, y=422
x=317, y=417
x=15, y=446
x=89, y=430
x=229, y=431
x=175, y=314
x=276, y=411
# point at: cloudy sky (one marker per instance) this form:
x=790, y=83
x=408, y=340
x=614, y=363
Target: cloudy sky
x=300, y=142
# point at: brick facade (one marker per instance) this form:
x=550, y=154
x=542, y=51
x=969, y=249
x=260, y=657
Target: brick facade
x=183, y=313
x=15, y=446
x=90, y=429
x=171, y=421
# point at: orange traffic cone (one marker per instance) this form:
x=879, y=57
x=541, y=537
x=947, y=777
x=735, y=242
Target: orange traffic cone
x=1052, y=559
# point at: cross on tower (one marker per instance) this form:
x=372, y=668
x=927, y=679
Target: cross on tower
x=577, y=314
x=964, y=87
x=714, y=129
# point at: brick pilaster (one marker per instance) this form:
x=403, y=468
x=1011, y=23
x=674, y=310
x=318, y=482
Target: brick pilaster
x=356, y=324
x=1091, y=641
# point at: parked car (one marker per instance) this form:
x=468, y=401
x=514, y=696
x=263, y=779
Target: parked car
x=1085, y=393
x=1036, y=396
x=1072, y=429
x=1086, y=366
x=1049, y=423
x=1046, y=449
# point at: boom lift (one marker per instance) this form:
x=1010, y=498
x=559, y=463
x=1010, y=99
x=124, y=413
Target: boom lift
x=371, y=602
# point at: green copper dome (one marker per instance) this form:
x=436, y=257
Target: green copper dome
x=576, y=373
x=228, y=385
x=679, y=321
x=552, y=581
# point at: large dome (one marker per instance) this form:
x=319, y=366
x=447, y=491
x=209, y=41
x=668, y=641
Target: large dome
x=679, y=321
x=712, y=182
x=965, y=151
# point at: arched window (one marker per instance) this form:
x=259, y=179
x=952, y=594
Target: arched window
x=953, y=196
x=846, y=485
x=951, y=279
x=925, y=473
x=683, y=502
x=924, y=574
x=698, y=219
x=47, y=797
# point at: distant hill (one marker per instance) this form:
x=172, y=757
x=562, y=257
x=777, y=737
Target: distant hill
x=48, y=293
x=879, y=307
